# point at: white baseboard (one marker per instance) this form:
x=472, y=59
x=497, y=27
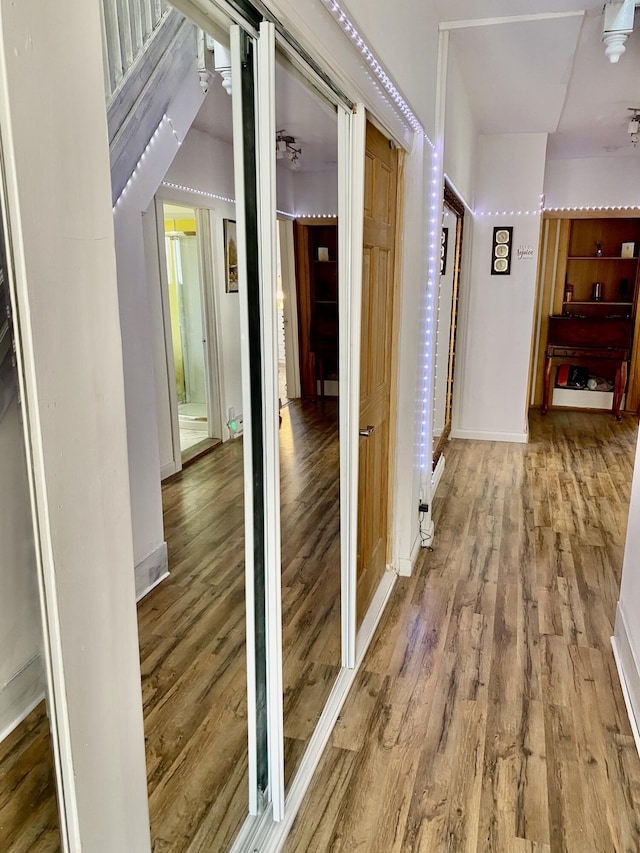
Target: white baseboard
x=150, y=571
x=261, y=833
x=437, y=474
x=168, y=469
x=629, y=672
x=406, y=564
x=20, y=695
x=481, y=435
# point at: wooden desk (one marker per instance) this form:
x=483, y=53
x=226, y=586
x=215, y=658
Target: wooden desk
x=583, y=340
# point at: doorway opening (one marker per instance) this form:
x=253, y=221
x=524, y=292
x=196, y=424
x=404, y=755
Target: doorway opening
x=188, y=318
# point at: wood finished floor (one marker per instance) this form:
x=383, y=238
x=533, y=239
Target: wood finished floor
x=192, y=630
x=488, y=715
x=28, y=810
x=192, y=648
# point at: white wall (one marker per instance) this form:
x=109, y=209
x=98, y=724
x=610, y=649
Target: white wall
x=407, y=480
x=404, y=35
x=497, y=312
x=591, y=182
x=137, y=333
x=460, y=135
x=627, y=627
x=315, y=193
x=21, y=673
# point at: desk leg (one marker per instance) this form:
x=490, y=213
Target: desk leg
x=547, y=383
x=618, y=389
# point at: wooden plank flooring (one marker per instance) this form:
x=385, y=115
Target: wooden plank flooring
x=192, y=648
x=28, y=811
x=192, y=630
x=488, y=714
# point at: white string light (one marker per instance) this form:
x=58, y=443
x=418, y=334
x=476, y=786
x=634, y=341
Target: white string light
x=427, y=323
x=204, y=193
x=630, y=209
x=479, y=213
x=347, y=25
x=165, y=120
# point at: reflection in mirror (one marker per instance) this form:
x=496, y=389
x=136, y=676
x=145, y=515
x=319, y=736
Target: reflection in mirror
x=447, y=316
x=28, y=808
x=192, y=623
x=306, y=151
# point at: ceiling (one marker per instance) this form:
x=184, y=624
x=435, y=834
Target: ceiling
x=547, y=75
x=299, y=112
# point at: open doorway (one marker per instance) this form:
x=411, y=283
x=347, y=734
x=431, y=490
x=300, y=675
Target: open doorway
x=197, y=419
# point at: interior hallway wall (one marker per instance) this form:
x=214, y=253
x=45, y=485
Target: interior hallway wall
x=593, y=182
x=627, y=626
x=460, y=135
x=405, y=37
x=497, y=312
x=137, y=333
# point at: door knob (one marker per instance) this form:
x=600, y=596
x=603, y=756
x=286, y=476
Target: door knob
x=366, y=432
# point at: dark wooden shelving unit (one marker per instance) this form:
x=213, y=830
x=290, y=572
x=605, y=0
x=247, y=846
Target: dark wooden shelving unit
x=317, y=281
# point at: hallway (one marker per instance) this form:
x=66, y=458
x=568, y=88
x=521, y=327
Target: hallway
x=488, y=714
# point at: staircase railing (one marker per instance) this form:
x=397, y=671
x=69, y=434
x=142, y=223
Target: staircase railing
x=128, y=26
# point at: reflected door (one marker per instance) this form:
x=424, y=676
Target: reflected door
x=381, y=179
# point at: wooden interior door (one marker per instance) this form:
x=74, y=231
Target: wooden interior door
x=380, y=200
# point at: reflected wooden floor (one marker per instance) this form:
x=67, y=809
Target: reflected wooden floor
x=28, y=810
x=488, y=714
x=192, y=630
x=192, y=648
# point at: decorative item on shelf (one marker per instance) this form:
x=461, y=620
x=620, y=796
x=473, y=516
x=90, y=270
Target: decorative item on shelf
x=568, y=292
x=598, y=250
x=323, y=253
x=501, y=253
x=628, y=250
x=596, y=291
x=623, y=290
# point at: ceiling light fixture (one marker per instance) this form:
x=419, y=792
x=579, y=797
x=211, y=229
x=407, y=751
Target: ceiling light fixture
x=633, y=128
x=617, y=26
x=287, y=146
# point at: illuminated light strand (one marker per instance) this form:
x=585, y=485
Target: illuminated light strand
x=591, y=207
x=165, y=120
x=343, y=20
x=196, y=191
x=507, y=212
x=427, y=359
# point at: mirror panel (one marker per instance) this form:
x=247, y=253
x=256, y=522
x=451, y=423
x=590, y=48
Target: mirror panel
x=447, y=316
x=307, y=298
x=28, y=809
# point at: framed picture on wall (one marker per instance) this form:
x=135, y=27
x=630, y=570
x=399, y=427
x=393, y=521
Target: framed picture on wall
x=230, y=256
x=444, y=243
x=502, y=250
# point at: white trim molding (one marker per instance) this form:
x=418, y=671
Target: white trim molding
x=151, y=571
x=20, y=695
x=480, y=435
x=628, y=670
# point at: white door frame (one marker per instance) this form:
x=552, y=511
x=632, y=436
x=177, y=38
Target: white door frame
x=168, y=335
x=212, y=365
x=290, y=291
